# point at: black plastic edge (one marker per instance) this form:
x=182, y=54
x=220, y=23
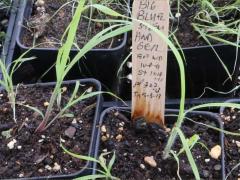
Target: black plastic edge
x=222, y=108
x=174, y=103
x=6, y=51
x=211, y=115
x=88, y=169
x=19, y=27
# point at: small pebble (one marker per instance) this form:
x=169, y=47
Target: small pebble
x=207, y=160
x=129, y=64
x=39, y=3
x=40, y=170
x=70, y=132
x=21, y=175
x=119, y=137
x=104, y=150
x=62, y=140
x=89, y=90
x=177, y=15
x=168, y=130
x=215, y=152
x=11, y=144
x=150, y=161
x=19, y=147
x=103, y=129
x=48, y=167
x=217, y=167
x=238, y=143
x=46, y=104
x=64, y=89
x=142, y=166
x=121, y=124
x=56, y=167
x=129, y=76
x=74, y=121
x=40, y=140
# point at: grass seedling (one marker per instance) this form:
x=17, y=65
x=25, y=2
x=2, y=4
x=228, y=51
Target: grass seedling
x=105, y=173
x=64, y=65
x=7, y=83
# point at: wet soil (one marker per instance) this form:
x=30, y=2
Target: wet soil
x=39, y=154
x=132, y=146
x=231, y=119
x=53, y=30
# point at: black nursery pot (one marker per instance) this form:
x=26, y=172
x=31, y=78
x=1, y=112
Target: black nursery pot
x=101, y=64
x=211, y=117
x=202, y=69
x=7, y=49
x=88, y=168
x=231, y=123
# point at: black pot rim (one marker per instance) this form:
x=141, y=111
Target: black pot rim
x=19, y=27
x=92, y=149
x=214, y=116
x=222, y=108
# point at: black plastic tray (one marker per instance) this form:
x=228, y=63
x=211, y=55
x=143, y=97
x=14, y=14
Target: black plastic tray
x=203, y=69
x=212, y=116
x=88, y=169
x=101, y=64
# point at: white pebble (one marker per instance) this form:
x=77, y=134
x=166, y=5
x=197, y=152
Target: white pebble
x=142, y=166
x=40, y=140
x=177, y=15
x=150, y=161
x=56, y=167
x=207, y=160
x=238, y=143
x=11, y=144
x=21, y=175
x=103, y=129
x=48, y=167
x=215, y=152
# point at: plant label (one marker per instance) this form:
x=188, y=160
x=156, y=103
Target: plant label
x=149, y=60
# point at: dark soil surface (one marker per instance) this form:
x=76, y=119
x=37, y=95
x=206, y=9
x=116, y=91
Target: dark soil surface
x=132, y=146
x=3, y=27
x=186, y=35
x=231, y=119
x=40, y=154
x=53, y=30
